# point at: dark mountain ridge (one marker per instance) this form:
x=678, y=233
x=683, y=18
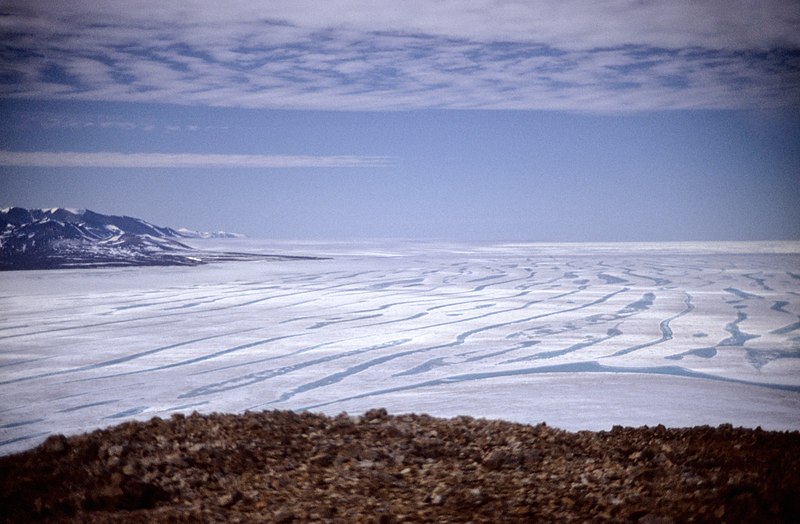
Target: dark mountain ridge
x=79, y=238
x=93, y=223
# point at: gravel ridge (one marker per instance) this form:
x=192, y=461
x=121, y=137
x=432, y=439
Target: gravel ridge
x=281, y=466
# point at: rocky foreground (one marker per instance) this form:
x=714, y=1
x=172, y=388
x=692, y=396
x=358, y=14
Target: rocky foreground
x=284, y=467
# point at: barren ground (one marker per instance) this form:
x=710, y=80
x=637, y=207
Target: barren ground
x=281, y=466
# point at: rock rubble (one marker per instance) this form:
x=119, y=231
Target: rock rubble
x=285, y=467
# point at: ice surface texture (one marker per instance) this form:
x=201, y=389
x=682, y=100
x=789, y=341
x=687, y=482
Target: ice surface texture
x=579, y=336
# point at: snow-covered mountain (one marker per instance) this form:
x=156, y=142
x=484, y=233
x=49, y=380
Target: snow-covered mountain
x=61, y=238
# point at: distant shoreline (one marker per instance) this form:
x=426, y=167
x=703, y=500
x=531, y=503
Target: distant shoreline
x=188, y=258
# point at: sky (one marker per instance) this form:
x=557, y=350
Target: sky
x=475, y=120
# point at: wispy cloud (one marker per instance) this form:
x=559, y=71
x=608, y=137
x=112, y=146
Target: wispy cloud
x=182, y=160
x=57, y=120
x=359, y=54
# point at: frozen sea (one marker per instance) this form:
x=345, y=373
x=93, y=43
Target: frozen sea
x=581, y=336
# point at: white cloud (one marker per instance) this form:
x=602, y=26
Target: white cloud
x=359, y=54
x=575, y=24
x=181, y=160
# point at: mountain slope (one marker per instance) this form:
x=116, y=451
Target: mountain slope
x=69, y=238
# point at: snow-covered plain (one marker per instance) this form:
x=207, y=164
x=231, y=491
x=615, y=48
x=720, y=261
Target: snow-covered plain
x=581, y=336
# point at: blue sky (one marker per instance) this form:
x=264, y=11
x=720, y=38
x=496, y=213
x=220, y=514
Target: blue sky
x=468, y=120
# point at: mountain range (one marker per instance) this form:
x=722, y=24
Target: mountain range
x=79, y=238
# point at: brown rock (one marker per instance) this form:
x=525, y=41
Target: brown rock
x=55, y=444
x=283, y=466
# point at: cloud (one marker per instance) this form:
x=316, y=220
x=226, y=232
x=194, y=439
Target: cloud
x=182, y=160
x=374, y=55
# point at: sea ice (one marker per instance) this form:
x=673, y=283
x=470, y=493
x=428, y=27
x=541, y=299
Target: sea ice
x=581, y=336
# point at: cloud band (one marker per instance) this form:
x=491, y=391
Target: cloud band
x=377, y=55
x=183, y=160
